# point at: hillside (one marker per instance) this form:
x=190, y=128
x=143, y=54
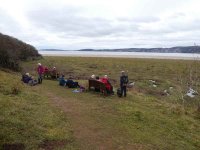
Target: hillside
x=12, y=51
x=180, y=49
x=187, y=49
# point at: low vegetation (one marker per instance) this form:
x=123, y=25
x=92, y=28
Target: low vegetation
x=28, y=121
x=157, y=114
x=172, y=77
x=12, y=51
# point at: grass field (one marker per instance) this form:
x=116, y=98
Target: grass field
x=27, y=118
x=48, y=116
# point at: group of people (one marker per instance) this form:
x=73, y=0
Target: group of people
x=67, y=82
x=27, y=78
x=105, y=81
x=50, y=72
x=123, y=84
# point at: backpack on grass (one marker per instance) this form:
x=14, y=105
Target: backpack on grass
x=119, y=92
x=72, y=84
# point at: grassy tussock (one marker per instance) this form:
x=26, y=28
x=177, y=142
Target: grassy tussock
x=10, y=84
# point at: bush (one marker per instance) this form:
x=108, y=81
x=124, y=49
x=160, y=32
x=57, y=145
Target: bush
x=12, y=51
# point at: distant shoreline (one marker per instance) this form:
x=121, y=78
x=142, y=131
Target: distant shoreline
x=177, y=49
x=127, y=56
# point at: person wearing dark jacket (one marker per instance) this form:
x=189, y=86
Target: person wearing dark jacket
x=26, y=78
x=123, y=83
x=62, y=81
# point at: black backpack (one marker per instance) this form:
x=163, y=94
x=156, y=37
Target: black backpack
x=72, y=84
x=119, y=92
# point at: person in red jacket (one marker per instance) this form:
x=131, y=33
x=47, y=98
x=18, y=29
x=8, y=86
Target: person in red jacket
x=40, y=71
x=108, y=85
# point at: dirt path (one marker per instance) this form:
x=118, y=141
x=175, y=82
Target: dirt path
x=92, y=118
x=87, y=133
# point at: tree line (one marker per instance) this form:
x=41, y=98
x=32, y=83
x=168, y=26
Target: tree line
x=13, y=51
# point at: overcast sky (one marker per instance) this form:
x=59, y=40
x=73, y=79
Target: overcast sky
x=78, y=24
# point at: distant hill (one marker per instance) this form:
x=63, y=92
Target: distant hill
x=180, y=49
x=12, y=51
x=187, y=49
x=52, y=50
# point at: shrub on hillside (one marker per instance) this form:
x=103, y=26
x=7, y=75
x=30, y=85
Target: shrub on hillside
x=9, y=60
x=12, y=51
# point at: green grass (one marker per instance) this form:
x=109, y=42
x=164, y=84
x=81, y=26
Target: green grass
x=146, y=119
x=27, y=117
x=179, y=74
x=137, y=120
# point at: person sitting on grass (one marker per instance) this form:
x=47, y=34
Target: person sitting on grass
x=27, y=78
x=62, y=81
x=72, y=84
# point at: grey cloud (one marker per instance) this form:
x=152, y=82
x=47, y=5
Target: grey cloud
x=71, y=21
x=53, y=25
x=173, y=26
